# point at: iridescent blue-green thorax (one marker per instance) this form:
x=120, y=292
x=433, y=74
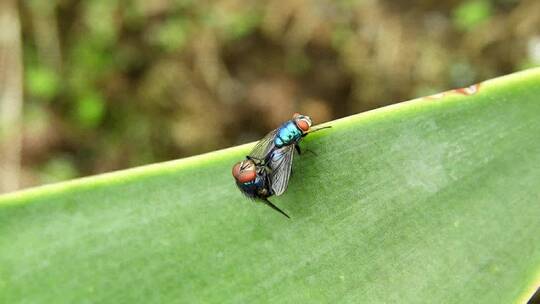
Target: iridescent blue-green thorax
x=287, y=134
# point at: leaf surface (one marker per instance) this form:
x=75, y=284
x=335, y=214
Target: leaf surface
x=435, y=200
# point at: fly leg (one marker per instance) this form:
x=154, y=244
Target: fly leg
x=256, y=160
x=297, y=147
x=316, y=129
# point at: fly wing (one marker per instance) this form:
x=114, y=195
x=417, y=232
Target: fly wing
x=281, y=163
x=265, y=145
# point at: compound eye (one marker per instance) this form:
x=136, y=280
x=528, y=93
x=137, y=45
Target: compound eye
x=236, y=169
x=244, y=172
x=303, y=125
x=247, y=176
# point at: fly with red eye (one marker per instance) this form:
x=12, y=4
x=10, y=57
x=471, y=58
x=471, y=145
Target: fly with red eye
x=273, y=156
x=253, y=180
x=288, y=135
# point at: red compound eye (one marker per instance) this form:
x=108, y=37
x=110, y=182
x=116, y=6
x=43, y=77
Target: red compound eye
x=236, y=169
x=303, y=125
x=247, y=176
x=244, y=173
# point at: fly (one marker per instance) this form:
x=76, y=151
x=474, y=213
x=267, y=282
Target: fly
x=267, y=168
x=253, y=180
x=276, y=150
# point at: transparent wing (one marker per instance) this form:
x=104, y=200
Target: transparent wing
x=265, y=145
x=281, y=163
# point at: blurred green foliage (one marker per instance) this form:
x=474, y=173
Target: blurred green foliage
x=112, y=84
x=90, y=110
x=42, y=82
x=472, y=13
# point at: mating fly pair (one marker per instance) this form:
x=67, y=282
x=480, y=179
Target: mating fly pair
x=266, y=170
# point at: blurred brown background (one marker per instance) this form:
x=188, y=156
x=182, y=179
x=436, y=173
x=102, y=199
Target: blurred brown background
x=110, y=84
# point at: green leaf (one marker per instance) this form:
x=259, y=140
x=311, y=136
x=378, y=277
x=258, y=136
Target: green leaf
x=435, y=200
